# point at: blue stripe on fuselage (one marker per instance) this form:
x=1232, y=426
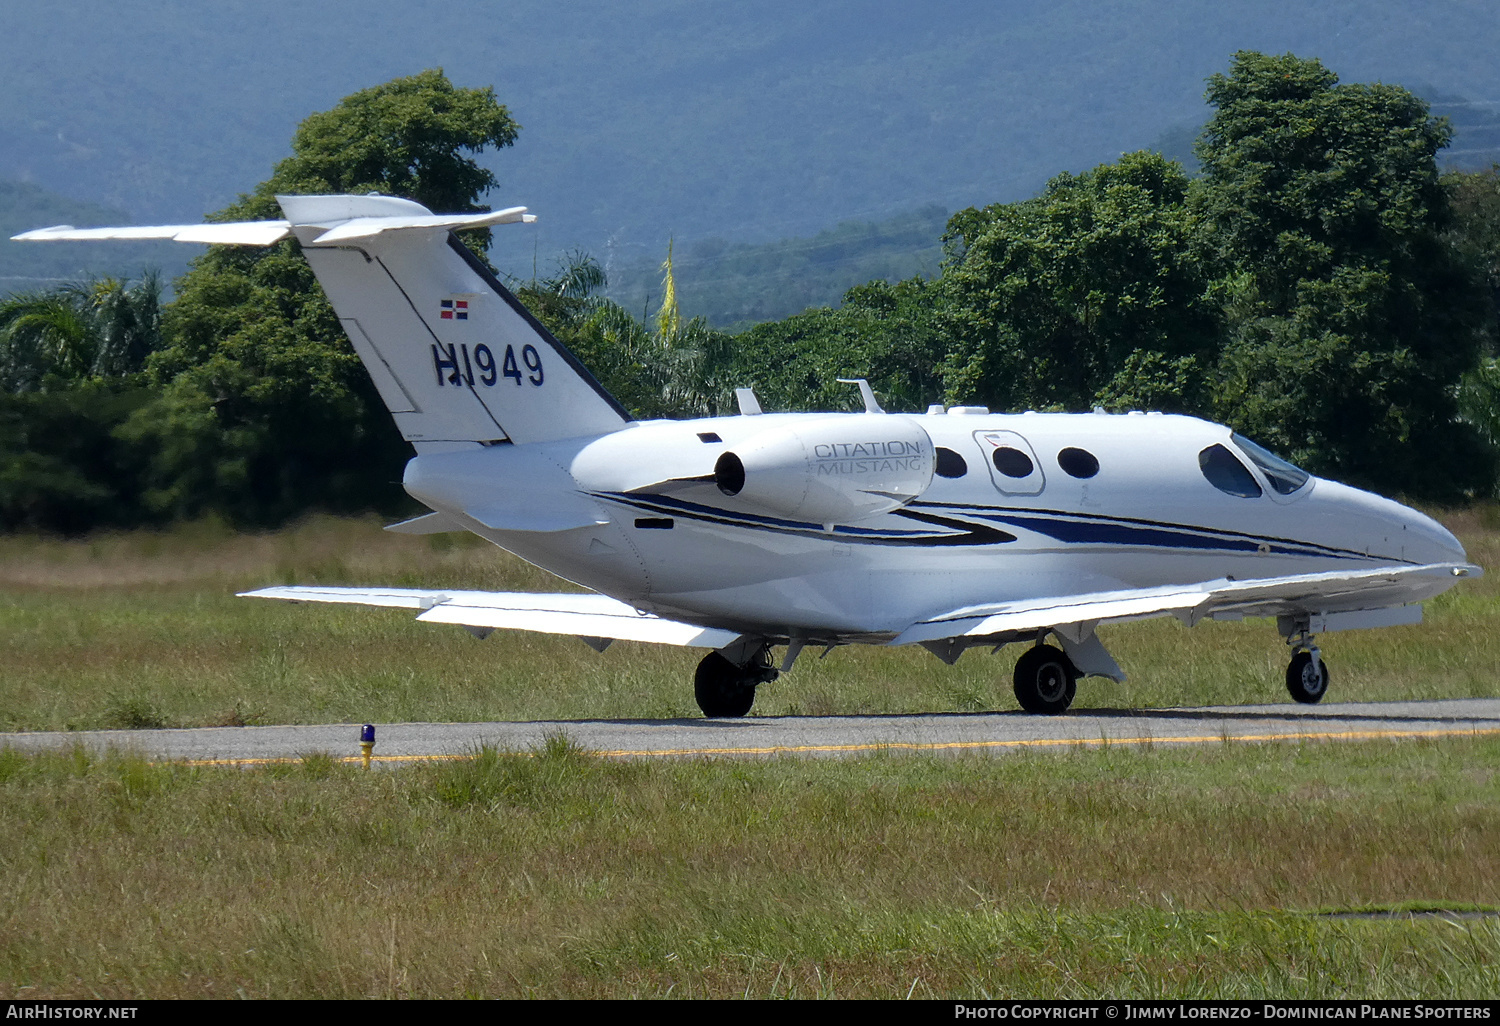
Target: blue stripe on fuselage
x=1063, y=526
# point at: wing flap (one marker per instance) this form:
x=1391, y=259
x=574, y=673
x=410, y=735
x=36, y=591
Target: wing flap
x=1333, y=592
x=588, y=616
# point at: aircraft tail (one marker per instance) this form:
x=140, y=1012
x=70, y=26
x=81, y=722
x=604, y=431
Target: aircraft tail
x=456, y=357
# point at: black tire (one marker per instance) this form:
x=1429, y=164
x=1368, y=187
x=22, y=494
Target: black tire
x=1305, y=685
x=1045, y=681
x=723, y=689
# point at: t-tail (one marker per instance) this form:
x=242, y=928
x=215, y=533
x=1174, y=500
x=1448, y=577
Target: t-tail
x=456, y=357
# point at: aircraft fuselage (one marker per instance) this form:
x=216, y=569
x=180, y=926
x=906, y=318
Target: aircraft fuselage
x=1010, y=506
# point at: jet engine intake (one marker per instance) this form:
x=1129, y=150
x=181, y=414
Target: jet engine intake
x=830, y=470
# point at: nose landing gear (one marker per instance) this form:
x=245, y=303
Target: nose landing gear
x=1307, y=676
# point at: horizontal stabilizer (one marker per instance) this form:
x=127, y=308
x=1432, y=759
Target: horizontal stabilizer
x=537, y=521
x=588, y=616
x=232, y=233
x=264, y=233
x=431, y=523
x=369, y=227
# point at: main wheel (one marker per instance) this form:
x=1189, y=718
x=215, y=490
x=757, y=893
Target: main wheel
x=722, y=688
x=1045, y=681
x=1306, y=683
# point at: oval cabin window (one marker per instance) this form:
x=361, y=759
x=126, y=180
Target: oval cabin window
x=1012, y=462
x=950, y=463
x=1078, y=462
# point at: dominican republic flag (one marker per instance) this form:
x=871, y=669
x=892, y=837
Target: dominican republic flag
x=453, y=309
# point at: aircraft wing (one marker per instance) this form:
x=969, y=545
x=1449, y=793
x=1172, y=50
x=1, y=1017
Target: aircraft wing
x=591, y=617
x=1323, y=594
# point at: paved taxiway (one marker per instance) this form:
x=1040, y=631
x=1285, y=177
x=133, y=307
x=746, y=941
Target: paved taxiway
x=806, y=735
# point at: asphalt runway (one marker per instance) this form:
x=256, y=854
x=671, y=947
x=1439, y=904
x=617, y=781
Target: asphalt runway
x=803, y=736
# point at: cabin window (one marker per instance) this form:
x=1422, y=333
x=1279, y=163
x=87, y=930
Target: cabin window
x=950, y=463
x=1012, y=462
x=1078, y=462
x=709, y=437
x=1226, y=473
x=1284, y=477
x=654, y=523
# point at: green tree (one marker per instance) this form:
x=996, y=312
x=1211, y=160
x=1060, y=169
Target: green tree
x=885, y=332
x=265, y=408
x=55, y=338
x=674, y=371
x=1475, y=231
x=1047, y=302
x=63, y=466
x=1350, y=317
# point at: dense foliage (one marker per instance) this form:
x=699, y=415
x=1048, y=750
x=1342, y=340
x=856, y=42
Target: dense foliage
x=1317, y=285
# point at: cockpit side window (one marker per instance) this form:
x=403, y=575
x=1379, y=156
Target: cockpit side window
x=1284, y=477
x=1228, y=474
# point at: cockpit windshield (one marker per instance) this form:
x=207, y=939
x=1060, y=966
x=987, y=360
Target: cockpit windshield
x=1284, y=477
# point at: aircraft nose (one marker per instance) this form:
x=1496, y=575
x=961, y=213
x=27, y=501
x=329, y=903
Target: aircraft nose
x=1429, y=541
x=1383, y=527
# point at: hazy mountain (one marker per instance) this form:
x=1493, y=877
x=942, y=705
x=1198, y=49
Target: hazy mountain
x=25, y=266
x=735, y=284
x=746, y=122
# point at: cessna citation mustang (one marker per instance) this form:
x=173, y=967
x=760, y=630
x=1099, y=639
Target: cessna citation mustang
x=951, y=529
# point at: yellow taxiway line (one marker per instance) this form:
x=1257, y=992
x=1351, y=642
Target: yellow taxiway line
x=913, y=746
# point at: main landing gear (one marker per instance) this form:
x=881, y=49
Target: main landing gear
x=1045, y=681
x=726, y=690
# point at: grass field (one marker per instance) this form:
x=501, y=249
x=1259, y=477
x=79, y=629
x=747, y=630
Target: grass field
x=1166, y=873
x=1147, y=872
x=144, y=629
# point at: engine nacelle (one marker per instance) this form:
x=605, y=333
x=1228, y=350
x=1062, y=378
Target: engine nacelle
x=832, y=470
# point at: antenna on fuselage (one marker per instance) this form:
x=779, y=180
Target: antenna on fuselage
x=865, y=391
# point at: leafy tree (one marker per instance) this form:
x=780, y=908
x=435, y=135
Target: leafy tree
x=53, y=339
x=671, y=372
x=1475, y=231
x=62, y=465
x=884, y=332
x=1350, y=317
x=1048, y=302
x=258, y=372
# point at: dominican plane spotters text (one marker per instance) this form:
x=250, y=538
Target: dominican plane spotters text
x=950, y=529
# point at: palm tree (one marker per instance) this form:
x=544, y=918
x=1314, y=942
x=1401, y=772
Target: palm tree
x=103, y=328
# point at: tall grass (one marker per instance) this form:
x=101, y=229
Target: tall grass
x=144, y=629
x=1079, y=873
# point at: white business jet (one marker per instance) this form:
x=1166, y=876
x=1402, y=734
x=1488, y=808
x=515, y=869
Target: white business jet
x=951, y=529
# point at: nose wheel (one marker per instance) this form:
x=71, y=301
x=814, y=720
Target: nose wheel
x=1307, y=676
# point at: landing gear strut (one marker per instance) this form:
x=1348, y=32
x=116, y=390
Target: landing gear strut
x=726, y=690
x=1045, y=681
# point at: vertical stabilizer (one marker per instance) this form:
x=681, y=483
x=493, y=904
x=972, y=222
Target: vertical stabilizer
x=454, y=355
x=457, y=358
